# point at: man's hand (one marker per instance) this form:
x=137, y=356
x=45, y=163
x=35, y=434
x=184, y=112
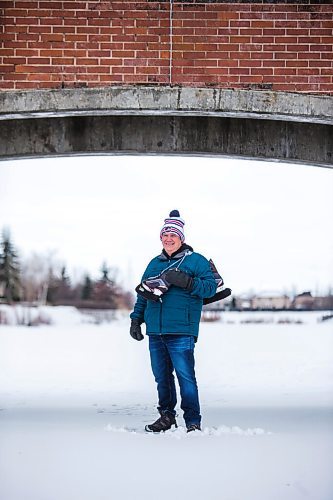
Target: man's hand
x=179, y=278
x=135, y=330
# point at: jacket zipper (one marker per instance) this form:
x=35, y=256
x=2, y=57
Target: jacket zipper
x=161, y=305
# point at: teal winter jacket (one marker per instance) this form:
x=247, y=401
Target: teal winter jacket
x=178, y=311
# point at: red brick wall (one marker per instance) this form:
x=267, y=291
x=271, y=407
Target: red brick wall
x=280, y=45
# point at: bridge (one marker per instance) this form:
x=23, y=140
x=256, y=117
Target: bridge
x=247, y=79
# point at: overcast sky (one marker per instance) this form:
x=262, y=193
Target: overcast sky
x=267, y=226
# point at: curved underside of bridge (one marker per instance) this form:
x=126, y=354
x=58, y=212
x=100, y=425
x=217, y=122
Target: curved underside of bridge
x=168, y=120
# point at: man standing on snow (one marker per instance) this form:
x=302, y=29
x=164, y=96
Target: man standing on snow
x=169, y=301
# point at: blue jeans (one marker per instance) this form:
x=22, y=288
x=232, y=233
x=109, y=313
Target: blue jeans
x=169, y=353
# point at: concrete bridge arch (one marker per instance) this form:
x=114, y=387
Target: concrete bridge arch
x=168, y=120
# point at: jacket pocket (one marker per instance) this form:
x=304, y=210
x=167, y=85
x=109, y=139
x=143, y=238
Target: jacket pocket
x=152, y=317
x=195, y=315
x=175, y=320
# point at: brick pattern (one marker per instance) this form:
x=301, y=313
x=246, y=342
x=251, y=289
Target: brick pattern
x=265, y=45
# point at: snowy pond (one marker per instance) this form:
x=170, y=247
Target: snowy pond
x=75, y=397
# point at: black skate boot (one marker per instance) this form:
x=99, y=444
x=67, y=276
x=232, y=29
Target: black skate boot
x=164, y=423
x=221, y=292
x=153, y=288
x=193, y=427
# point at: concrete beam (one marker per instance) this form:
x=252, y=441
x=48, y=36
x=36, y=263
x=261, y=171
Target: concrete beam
x=165, y=120
x=245, y=138
x=184, y=101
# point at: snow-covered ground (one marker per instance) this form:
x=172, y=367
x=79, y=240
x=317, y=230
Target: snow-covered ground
x=74, y=399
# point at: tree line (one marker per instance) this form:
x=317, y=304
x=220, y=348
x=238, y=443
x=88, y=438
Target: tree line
x=39, y=280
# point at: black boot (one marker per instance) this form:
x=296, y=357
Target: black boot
x=193, y=427
x=164, y=423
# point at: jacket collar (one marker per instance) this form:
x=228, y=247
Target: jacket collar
x=178, y=254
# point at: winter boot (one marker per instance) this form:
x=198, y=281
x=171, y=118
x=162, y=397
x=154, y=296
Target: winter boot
x=193, y=427
x=164, y=423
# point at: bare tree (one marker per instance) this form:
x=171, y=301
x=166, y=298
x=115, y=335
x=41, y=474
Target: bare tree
x=37, y=273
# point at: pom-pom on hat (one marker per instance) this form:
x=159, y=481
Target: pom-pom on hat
x=174, y=224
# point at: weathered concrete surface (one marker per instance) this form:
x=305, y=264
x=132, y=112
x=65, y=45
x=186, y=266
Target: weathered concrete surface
x=167, y=100
x=163, y=120
x=266, y=139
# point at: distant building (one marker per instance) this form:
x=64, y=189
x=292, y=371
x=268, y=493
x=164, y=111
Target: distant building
x=304, y=301
x=271, y=301
x=242, y=302
x=324, y=303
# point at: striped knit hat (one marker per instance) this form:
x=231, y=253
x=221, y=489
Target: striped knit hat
x=174, y=224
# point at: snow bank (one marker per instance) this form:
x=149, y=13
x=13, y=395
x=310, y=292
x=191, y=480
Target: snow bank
x=272, y=317
x=40, y=315
x=70, y=316
x=56, y=315
x=181, y=432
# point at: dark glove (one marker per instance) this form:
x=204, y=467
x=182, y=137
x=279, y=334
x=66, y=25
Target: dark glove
x=135, y=330
x=179, y=278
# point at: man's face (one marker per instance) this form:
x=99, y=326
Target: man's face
x=171, y=242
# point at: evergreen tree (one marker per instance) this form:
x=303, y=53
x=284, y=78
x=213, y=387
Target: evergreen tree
x=59, y=290
x=87, y=288
x=104, y=290
x=64, y=280
x=52, y=287
x=64, y=291
x=105, y=274
x=9, y=269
